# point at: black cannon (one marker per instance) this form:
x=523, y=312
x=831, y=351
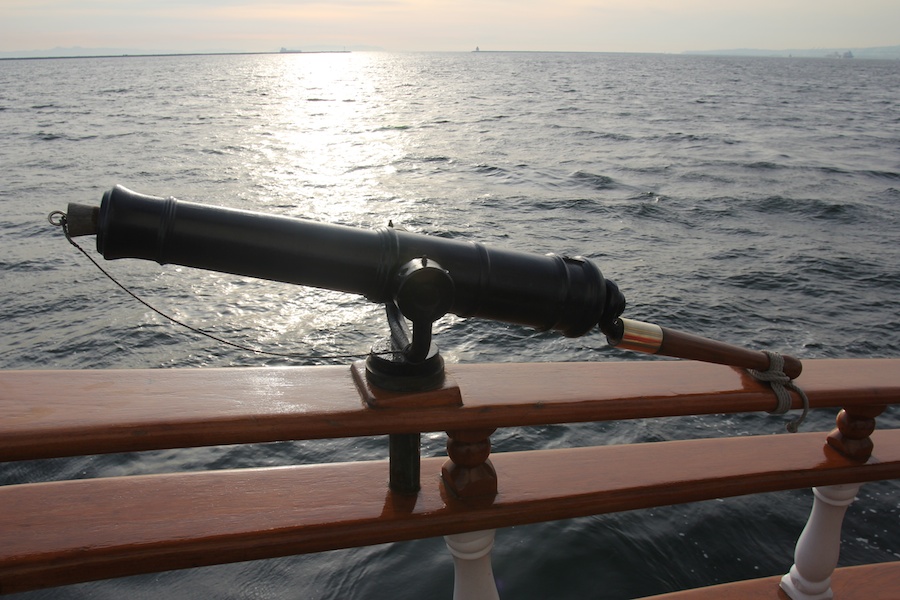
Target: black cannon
x=425, y=277
x=417, y=276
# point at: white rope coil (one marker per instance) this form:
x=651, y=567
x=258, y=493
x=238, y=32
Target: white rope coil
x=780, y=384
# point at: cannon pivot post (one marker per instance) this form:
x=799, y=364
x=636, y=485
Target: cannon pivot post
x=423, y=293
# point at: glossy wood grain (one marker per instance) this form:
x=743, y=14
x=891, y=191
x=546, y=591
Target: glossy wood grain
x=62, y=413
x=64, y=532
x=865, y=582
x=681, y=344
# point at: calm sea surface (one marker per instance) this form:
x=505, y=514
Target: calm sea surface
x=756, y=201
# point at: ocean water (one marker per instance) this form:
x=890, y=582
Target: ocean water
x=751, y=200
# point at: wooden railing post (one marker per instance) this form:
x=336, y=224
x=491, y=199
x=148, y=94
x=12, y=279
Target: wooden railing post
x=470, y=476
x=854, y=426
x=469, y=473
x=819, y=545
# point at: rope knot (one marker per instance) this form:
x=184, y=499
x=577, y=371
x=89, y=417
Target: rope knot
x=780, y=384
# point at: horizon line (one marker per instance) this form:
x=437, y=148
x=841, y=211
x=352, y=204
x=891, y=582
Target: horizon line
x=113, y=53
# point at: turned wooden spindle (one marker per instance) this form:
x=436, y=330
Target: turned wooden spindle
x=469, y=472
x=854, y=426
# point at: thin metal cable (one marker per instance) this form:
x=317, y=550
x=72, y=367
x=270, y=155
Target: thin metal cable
x=59, y=219
x=780, y=384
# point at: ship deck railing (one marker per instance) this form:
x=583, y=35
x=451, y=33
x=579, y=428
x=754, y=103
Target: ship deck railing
x=62, y=532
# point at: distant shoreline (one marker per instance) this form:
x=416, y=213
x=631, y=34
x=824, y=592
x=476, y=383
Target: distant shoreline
x=163, y=54
x=868, y=53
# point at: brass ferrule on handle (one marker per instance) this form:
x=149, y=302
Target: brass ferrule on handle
x=638, y=336
x=629, y=334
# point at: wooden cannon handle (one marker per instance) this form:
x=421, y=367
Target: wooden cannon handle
x=653, y=339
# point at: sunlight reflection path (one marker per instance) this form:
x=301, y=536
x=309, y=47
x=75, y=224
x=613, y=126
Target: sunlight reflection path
x=328, y=138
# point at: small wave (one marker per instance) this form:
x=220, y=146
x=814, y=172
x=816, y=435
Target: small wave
x=491, y=170
x=706, y=176
x=853, y=271
x=364, y=167
x=603, y=135
x=755, y=280
x=431, y=159
x=118, y=134
x=832, y=170
x=763, y=164
x=883, y=174
x=49, y=137
x=650, y=209
x=580, y=205
x=683, y=137
x=30, y=266
x=813, y=208
x=35, y=228
x=593, y=181
x=393, y=128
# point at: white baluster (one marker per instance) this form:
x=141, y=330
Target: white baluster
x=819, y=545
x=473, y=577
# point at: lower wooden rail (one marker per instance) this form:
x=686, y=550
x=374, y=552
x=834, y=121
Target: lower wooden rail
x=866, y=582
x=70, y=531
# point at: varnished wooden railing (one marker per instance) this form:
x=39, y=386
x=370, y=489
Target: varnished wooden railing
x=68, y=531
x=47, y=414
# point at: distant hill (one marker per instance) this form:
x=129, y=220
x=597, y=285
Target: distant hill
x=882, y=52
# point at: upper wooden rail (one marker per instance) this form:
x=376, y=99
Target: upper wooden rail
x=67, y=413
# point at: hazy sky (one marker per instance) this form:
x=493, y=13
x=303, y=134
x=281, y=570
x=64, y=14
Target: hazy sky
x=573, y=25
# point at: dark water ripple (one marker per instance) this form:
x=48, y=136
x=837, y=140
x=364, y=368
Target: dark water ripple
x=749, y=200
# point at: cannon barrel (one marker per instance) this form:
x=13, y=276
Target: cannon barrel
x=547, y=292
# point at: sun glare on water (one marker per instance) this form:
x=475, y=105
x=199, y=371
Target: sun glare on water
x=327, y=147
